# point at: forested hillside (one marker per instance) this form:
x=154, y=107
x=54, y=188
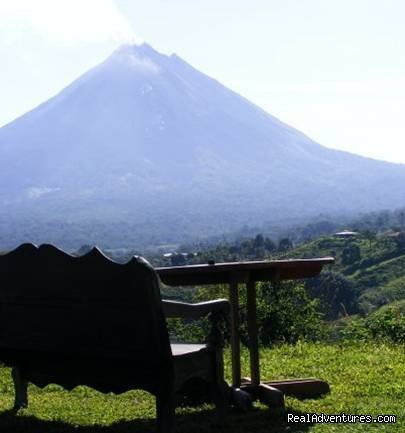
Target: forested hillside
x=365, y=287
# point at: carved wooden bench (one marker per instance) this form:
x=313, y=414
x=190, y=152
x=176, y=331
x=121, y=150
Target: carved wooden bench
x=90, y=321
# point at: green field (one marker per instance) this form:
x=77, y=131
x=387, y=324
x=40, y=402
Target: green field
x=365, y=379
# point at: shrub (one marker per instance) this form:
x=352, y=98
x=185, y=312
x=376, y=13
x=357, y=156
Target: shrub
x=388, y=322
x=351, y=328
x=285, y=312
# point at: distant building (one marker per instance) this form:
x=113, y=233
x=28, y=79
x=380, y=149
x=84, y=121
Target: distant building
x=346, y=234
x=174, y=253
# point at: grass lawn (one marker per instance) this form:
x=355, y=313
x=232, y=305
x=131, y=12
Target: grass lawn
x=364, y=379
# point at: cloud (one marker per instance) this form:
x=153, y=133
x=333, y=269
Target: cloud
x=67, y=22
x=136, y=61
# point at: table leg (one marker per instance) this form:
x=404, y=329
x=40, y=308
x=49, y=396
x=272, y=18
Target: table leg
x=235, y=338
x=253, y=333
x=266, y=394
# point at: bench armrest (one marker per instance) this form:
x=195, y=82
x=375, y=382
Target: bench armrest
x=194, y=311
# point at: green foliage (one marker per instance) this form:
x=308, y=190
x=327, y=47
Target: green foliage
x=285, y=312
x=368, y=273
x=178, y=260
x=188, y=331
x=351, y=328
x=350, y=255
x=387, y=323
x=393, y=291
x=373, y=264
x=284, y=244
x=256, y=248
x=336, y=293
x=379, y=274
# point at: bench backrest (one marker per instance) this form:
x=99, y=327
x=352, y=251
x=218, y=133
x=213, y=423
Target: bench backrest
x=87, y=307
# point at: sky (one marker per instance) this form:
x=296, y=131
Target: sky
x=330, y=68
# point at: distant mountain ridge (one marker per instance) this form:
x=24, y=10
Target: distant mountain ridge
x=147, y=143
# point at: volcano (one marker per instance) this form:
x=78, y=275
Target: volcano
x=145, y=149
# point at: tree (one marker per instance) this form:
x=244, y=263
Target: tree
x=370, y=236
x=269, y=245
x=350, y=254
x=285, y=311
x=259, y=241
x=285, y=244
x=177, y=260
x=336, y=293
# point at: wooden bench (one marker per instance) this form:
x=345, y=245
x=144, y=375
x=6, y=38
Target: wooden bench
x=91, y=321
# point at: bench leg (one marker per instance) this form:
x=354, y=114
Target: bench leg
x=165, y=412
x=20, y=388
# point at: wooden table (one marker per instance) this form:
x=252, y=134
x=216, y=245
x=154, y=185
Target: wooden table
x=249, y=273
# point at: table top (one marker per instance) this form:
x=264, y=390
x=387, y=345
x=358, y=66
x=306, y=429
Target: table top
x=242, y=272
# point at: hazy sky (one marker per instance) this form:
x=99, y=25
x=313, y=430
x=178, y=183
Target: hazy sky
x=331, y=68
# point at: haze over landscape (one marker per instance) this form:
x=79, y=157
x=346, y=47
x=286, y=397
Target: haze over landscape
x=146, y=149
x=147, y=143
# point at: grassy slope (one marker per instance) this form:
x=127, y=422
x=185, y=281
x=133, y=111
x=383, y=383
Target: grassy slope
x=394, y=290
x=379, y=274
x=365, y=379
